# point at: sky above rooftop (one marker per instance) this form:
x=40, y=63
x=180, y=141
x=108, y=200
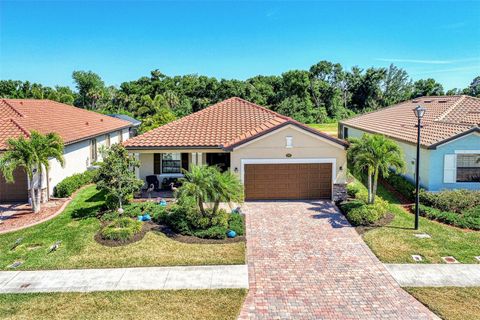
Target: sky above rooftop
x=45, y=41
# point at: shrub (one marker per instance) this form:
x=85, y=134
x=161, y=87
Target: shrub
x=70, y=184
x=469, y=219
x=121, y=229
x=215, y=232
x=360, y=213
x=451, y=200
x=235, y=223
x=402, y=185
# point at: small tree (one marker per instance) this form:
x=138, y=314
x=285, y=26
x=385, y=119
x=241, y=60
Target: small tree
x=32, y=155
x=374, y=155
x=206, y=184
x=116, y=175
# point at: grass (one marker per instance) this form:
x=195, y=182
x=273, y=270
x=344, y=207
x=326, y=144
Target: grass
x=76, y=228
x=182, y=304
x=452, y=303
x=329, y=128
x=395, y=242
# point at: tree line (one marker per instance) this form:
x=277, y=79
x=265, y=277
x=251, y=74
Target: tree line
x=326, y=92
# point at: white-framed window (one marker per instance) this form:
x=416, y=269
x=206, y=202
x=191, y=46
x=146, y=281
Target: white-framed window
x=289, y=142
x=171, y=162
x=468, y=167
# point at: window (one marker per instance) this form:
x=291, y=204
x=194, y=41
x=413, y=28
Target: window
x=171, y=162
x=107, y=140
x=289, y=142
x=345, y=132
x=93, y=151
x=468, y=167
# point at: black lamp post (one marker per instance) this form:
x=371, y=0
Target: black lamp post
x=419, y=113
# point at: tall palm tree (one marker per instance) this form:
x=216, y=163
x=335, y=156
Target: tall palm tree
x=32, y=155
x=375, y=155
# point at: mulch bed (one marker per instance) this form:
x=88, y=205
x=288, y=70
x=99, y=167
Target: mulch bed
x=21, y=215
x=380, y=223
x=151, y=226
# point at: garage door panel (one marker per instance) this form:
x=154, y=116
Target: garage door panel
x=288, y=181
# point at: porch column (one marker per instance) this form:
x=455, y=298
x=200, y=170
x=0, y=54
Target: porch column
x=137, y=170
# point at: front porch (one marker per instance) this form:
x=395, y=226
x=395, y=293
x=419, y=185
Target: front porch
x=164, y=167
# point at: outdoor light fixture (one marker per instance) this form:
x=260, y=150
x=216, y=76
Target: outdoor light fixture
x=419, y=113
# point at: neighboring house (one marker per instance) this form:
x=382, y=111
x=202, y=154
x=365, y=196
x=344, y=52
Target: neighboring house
x=135, y=123
x=83, y=132
x=450, y=138
x=275, y=156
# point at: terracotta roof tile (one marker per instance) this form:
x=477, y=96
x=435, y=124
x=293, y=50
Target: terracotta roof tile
x=446, y=116
x=21, y=116
x=221, y=125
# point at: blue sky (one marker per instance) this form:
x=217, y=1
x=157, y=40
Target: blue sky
x=45, y=41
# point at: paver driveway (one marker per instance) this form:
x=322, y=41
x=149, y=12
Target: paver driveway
x=306, y=262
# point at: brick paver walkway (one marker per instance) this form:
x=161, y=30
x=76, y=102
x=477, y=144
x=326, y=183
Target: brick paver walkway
x=306, y=262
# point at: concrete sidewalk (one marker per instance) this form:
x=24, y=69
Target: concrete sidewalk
x=153, y=278
x=435, y=275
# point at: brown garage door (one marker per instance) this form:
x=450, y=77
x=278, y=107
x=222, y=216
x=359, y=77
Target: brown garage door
x=17, y=191
x=288, y=181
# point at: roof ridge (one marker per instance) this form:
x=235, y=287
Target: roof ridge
x=13, y=108
x=450, y=109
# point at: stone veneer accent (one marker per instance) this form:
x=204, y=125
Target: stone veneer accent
x=339, y=192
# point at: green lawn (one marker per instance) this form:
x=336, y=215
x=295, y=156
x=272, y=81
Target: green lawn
x=183, y=304
x=76, y=228
x=450, y=303
x=395, y=243
x=329, y=128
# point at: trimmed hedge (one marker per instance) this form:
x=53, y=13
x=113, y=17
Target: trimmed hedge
x=402, y=185
x=451, y=200
x=70, y=184
x=121, y=229
x=357, y=211
x=468, y=219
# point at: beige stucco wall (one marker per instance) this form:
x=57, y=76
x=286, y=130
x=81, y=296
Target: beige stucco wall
x=305, y=146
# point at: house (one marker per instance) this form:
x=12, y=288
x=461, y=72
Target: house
x=83, y=132
x=450, y=138
x=135, y=123
x=275, y=156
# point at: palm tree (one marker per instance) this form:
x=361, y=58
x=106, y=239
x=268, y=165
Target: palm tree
x=49, y=146
x=32, y=155
x=375, y=155
x=207, y=184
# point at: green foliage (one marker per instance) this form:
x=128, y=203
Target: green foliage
x=33, y=155
x=358, y=211
x=236, y=223
x=121, y=229
x=116, y=175
x=70, y=184
x=402, y=185
x=374, y=155
x=470, y=218
x=451, y=200
x=207, y=184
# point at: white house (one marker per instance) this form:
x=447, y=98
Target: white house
x=83, y=132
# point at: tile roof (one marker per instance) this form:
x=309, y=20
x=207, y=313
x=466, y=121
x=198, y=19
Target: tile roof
x=20, y=116
x=223, y=125
x=445, y=118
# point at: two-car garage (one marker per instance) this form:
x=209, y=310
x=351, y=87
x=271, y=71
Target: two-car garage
x=288, y=181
